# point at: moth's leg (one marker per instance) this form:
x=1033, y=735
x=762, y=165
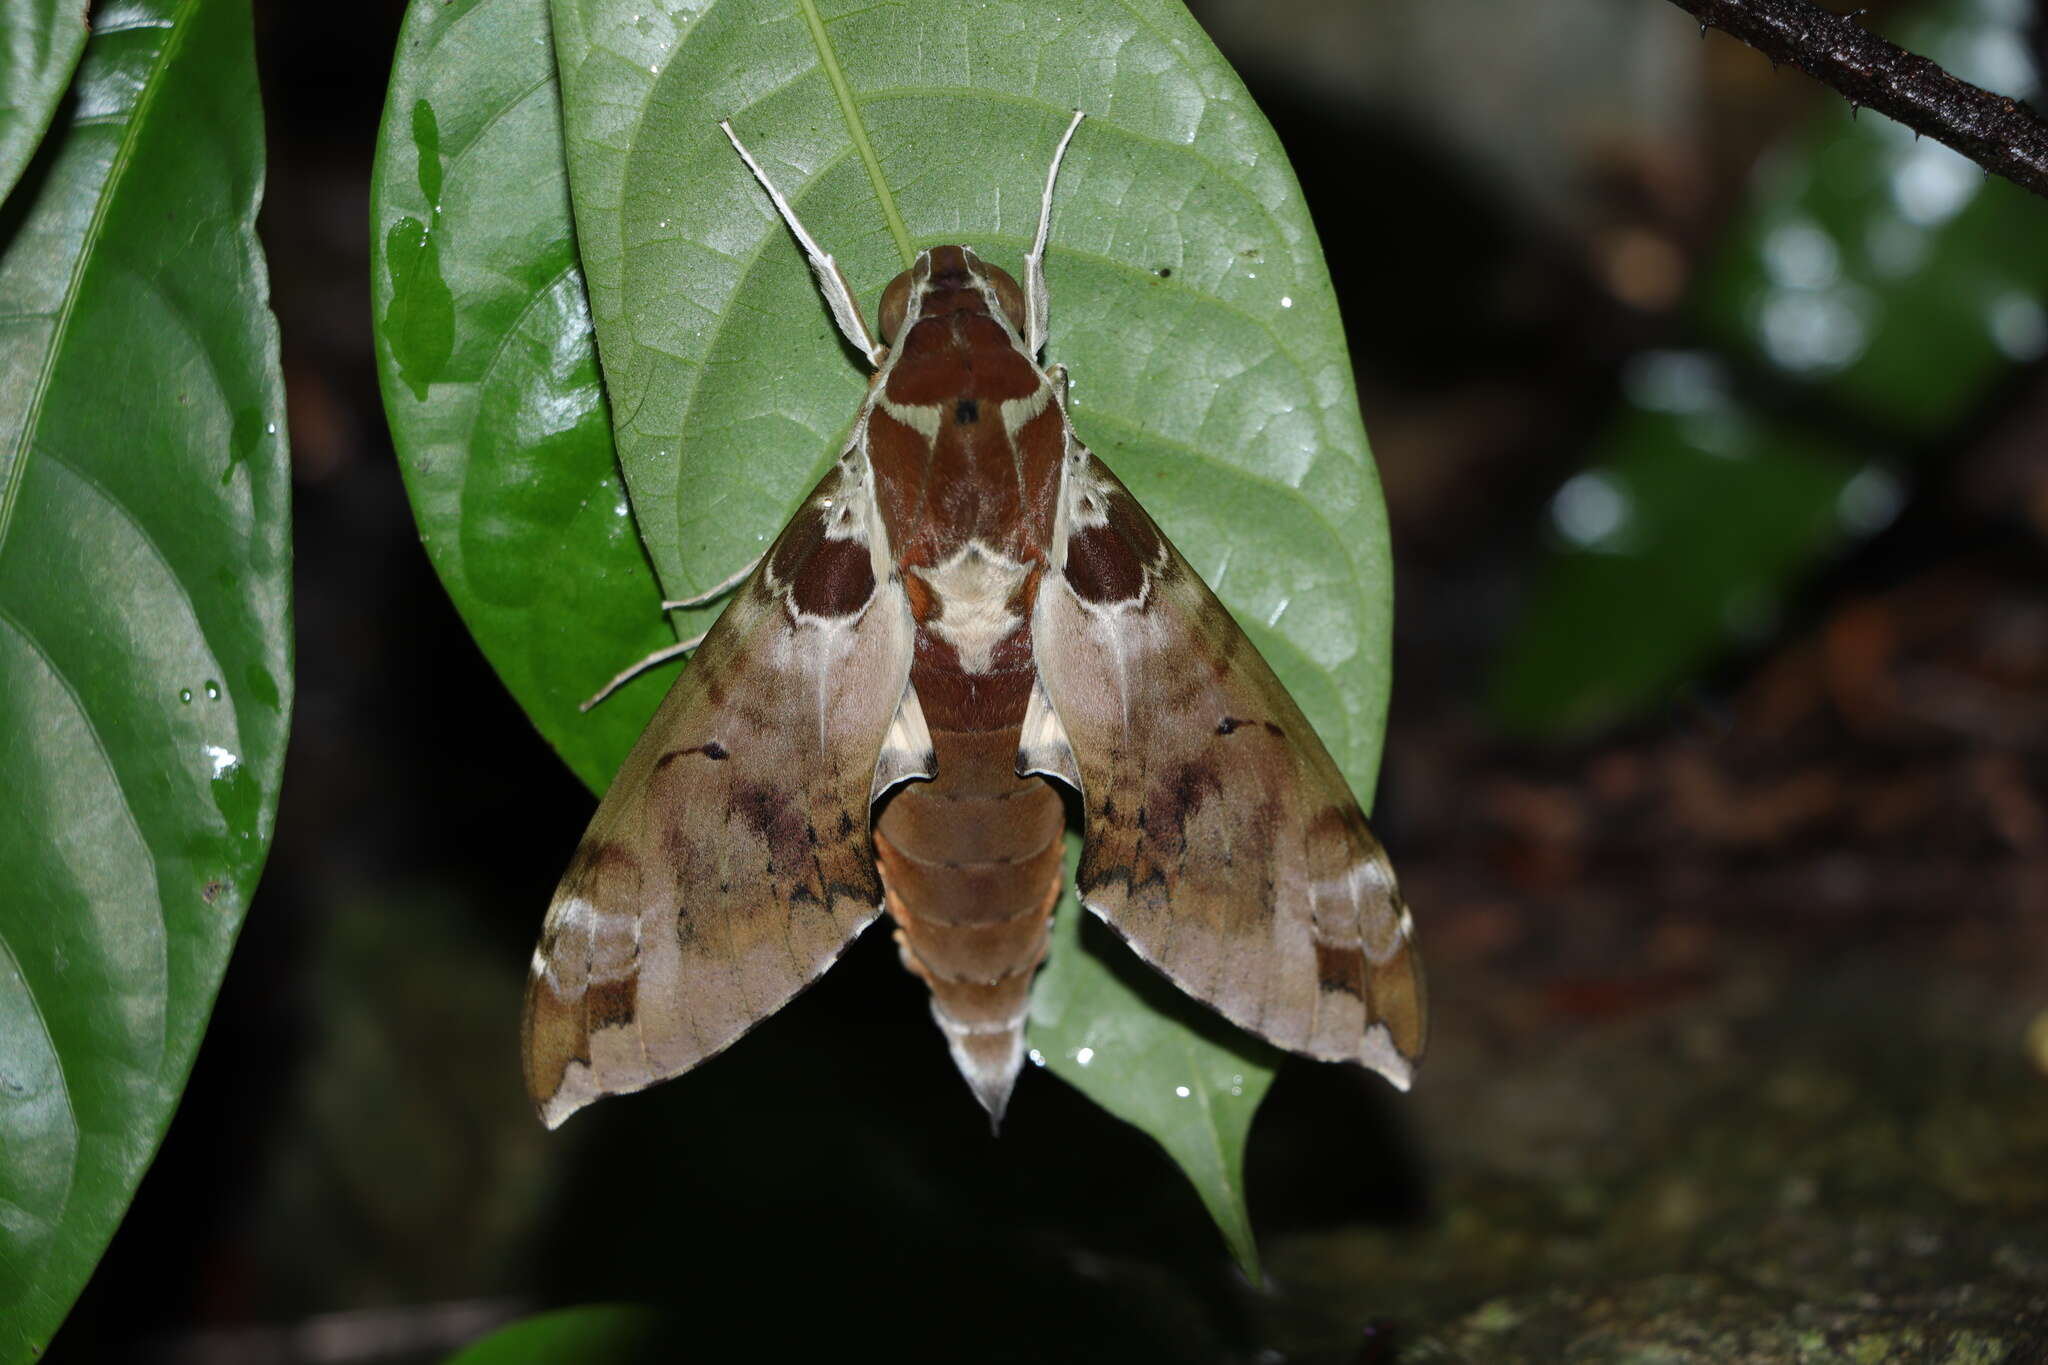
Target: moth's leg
x=712, y=594
x=659, y=656
x=1035, y=301
x=838, y=294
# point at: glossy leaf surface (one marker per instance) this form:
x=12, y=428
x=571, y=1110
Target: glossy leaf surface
x=145, y=659
x=490, y=374
x=1189, y=298
x=39, y=45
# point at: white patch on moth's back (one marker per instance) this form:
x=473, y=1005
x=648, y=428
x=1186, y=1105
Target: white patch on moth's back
x=974, y=587
x=922, y=418
x=1016, y=412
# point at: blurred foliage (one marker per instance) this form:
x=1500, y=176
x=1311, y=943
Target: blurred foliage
x=598, y=1334
x=145, y=619
x=1870, y=293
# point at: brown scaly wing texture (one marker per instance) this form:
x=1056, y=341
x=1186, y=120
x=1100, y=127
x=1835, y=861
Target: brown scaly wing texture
x=730, y=863
x=1222, y=841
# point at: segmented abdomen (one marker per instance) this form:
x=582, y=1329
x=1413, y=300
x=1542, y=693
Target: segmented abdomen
x=971, y=864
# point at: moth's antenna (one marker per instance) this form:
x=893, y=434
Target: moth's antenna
x=1036, y=302
x=838, y=294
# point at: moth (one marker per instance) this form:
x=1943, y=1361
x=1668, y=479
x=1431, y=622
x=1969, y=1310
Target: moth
x=967, y=615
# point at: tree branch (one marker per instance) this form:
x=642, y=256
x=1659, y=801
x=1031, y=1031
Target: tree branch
x=1997, y=133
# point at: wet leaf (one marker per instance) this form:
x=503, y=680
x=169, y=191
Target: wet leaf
x=1189, y=296
x=39, y=45
x=1189, y=299
x=145, y=663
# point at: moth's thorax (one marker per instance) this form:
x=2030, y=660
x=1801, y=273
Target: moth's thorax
x=965, y=440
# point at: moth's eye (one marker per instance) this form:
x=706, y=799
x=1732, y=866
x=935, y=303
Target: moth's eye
x=895, y=299
x=1007, y=294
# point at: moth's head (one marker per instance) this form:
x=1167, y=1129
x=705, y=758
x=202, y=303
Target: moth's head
x=949, y=279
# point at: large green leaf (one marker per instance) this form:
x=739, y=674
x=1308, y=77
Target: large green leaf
x=490, y=374
x=1189, y=299
x=39, y=45
x=145, y=658
x=1189, y=296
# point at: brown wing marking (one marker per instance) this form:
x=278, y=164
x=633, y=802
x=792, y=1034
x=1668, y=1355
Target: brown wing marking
x=1222, y=841
x=730, y=862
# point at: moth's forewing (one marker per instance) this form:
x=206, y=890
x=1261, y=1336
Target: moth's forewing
x=729, y=863
x=1222, y=841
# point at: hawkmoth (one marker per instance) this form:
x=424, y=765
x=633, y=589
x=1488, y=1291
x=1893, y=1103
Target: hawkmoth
x=967, y=614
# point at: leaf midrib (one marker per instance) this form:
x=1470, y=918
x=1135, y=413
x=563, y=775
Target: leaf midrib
x=842, y=91
x=10, y=493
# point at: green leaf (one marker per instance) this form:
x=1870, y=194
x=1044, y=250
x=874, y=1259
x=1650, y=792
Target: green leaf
x=1189, y=299
x=1120, y=1033
x=490, y=374
x=145, y=662
x=600, y=1334
x=39, y=45
x=1189, y=296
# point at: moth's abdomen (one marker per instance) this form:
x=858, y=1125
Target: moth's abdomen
x=971, y=863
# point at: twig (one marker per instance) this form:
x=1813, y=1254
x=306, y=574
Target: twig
x=1998, y=133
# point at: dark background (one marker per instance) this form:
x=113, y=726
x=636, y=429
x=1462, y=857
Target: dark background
x=1814, y=866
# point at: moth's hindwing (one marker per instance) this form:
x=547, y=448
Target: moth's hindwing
x=1222, y=841
x=729, y=864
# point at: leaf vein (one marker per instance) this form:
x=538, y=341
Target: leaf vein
x=857, y=127
x=10, y=482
